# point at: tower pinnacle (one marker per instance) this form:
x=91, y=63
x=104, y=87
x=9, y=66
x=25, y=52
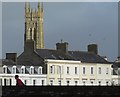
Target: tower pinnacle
x=34, y=26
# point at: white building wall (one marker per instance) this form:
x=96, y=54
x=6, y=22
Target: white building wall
x=82, y=79
x=29, y=78
x=104, y=77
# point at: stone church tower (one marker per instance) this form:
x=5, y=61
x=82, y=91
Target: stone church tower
x=34, y=26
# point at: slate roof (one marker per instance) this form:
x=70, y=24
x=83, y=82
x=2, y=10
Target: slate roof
x=71, y=55
x=8, y=62
x=41, y=54
x=53, y=54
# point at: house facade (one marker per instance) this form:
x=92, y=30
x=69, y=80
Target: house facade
x=30, y=75
x=65, y=72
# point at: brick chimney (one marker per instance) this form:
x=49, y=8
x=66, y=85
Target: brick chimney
x=11, y=56
x=63, y=47
x=92, y=48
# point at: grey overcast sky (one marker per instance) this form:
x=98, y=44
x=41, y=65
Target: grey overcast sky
x=79, y=24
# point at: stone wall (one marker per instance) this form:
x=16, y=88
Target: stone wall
x=62, y=91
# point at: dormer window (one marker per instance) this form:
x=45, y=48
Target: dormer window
x=40, y=70
x=23, y=70
x=31, y=70
x=4, y=69
x=14, y=69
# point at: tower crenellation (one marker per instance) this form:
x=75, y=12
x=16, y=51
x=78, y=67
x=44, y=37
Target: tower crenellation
x=34, y=21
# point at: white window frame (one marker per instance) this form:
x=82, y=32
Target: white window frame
x=99, y=70
x=51, y=69
x=23, y=70
x=34, y=82
x=5, y=69
x=84, y=70
x=31, y=70
x=91, y=70
x=40, y=70
x=68, y=70
x=76, y=70
x=25, y=81
x=42, y=82
x=14, y=69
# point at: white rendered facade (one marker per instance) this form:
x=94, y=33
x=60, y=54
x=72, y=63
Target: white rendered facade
x=30, y=78
x=61, y=72
x=67, y=72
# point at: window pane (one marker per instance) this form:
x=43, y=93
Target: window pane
x=4, y=70
x=83, y=70
x=76, y=82
x=40, y=70
x=99, y=70
x=34, y=82
x=31, y=70
x=91, y=70
x=51, y=82
x=75, y=70
x=51, y=69
x=14, y=70
x=25, y=81
x=10, y=82
x=22, y=70
x=67, y=70
x=5, y=82
x=59, y=82
x=42, y=82
x=68, y=82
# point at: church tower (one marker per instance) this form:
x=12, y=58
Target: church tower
x=34, y=25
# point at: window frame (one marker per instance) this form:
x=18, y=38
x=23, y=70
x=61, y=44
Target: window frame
x=32, y=70
x=51, y=82
x=14, y=69
x=84, y=70
x=68, y=70
x=5, y=69
x=76, y=70
x=99, y=70
x=51, y=69
x=40, y=70
x=42, y=82
x=91, y=70
x=34, y=82
x=76, y=83
x=68, y=82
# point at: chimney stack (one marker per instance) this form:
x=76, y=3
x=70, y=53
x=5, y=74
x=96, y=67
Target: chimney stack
x=63, y=47
x=11, y=56
x=92, y=48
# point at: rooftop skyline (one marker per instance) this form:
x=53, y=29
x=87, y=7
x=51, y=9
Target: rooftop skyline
x=79, y=24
